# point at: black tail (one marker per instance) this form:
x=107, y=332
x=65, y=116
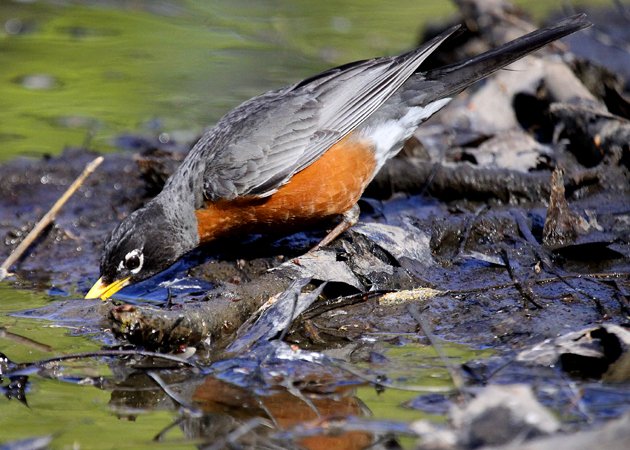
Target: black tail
x=456, y=77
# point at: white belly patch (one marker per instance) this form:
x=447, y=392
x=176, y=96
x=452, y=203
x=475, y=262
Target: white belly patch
x=390, y=135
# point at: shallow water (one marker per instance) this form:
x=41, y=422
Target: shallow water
x=80, y=73
x=87, y=71
x=92, y=402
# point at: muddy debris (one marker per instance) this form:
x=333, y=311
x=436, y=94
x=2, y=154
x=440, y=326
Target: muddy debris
x=602, y=353
x=494, y=417
x=508, y=417
x=612, y=436
x=562, y=226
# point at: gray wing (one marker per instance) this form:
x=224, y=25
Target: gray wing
x=260, y=145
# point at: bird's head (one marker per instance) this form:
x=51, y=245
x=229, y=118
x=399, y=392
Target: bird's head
x=142, y=245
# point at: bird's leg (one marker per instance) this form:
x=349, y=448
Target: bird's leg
x=348, y=219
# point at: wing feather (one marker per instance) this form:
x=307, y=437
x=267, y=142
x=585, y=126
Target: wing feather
x=260, y=145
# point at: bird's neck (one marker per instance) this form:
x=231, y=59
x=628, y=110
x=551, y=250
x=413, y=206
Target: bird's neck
x=178, y=212
x=185, y=185
x=181, y=196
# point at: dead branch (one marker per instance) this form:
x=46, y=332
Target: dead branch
x=213, y=321
x=47, y=219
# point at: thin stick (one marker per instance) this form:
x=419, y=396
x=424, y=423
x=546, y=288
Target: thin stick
x=458, y=382
x=187, y=407
x=47, y=219
x=26, y=367
x=24, y=340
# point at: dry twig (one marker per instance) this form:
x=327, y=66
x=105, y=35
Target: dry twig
x=47, y=219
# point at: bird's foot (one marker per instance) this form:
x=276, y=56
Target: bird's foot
x=348, y=219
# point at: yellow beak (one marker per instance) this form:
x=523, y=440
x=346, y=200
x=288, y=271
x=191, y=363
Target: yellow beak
x=104, y=291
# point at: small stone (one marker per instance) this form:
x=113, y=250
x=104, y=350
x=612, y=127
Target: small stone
x=501, y=414
x=38, y=82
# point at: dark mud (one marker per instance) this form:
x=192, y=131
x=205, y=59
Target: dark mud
x=484, y=245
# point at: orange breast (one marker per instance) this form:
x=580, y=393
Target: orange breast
x=329, y=186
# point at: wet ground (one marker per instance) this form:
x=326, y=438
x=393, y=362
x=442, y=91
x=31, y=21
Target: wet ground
x=445, y=287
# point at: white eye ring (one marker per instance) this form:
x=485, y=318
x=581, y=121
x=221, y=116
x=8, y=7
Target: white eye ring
x=137, y=253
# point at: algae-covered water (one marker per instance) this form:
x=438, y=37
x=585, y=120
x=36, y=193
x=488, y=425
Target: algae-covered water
x=78, y=73
x=90, y=404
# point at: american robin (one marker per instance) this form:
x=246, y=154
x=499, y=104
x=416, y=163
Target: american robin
x=297, y=155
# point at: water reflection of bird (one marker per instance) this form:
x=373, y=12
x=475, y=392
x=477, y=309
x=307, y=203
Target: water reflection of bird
x=325, y=402
x=297, y=155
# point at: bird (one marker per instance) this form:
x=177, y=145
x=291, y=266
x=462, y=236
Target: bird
x=297, y=155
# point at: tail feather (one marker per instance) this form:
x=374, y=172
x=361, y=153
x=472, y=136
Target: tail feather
x=454, y=78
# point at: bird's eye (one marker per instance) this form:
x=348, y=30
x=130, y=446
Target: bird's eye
x=133, y=261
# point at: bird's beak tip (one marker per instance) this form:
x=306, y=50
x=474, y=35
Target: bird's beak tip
x=97, y=291
x=104, y=291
